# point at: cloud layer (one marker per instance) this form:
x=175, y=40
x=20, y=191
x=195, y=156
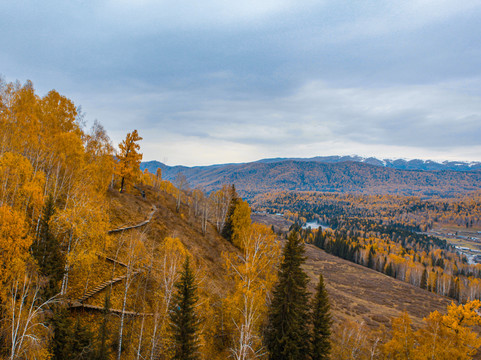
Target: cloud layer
x=220, y=81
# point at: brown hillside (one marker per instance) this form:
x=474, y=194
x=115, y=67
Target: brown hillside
x=360, y=293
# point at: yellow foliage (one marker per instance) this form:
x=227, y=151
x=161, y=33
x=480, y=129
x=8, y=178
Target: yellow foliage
x=255, y=272
x=450, y=336
x=14, y=245
x=20, y=186
x=401, y=346
x=241, y=222
x=147, y=178
x=443, y=337
x=129, y=160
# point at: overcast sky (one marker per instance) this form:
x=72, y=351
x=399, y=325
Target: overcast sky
x=218, y=81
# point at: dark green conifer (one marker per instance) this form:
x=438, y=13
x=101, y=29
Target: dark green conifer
x=184, y=322
x=81, y=342
x=321, y=323
x=227, y=230
x=287, y=332
x=103, y=351
x=319, y=239
x=370, y=258
x=389, y=270
x=424, y=280
x=47, y=252
x=59, y=344
x=69, y=341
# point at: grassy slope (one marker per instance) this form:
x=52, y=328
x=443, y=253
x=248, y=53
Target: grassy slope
x=360, y=293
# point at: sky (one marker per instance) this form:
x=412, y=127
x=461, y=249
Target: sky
x=219, y=81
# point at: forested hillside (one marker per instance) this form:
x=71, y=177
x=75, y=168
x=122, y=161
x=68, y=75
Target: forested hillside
x=399, y=164
x=341, y=177
x=99, y=260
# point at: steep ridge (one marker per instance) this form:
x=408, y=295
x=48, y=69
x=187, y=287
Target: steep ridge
x=399, y=164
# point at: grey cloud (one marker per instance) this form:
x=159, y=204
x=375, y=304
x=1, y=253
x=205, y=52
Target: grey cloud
x=422, y=117
x=259, y=76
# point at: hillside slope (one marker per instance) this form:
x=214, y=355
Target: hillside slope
x=362, y=294
x=356, y=292
x=253, y=178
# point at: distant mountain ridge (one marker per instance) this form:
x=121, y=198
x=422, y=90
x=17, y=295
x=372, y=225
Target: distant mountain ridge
x=400, y=164
x=332, y=174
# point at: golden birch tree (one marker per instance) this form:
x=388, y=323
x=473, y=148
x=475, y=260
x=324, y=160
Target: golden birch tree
x=254, y=271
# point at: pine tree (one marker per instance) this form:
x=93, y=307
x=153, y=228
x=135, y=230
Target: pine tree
x=319, y=239
x=47, y=252
x=389, y=271
x=227, y=230
x=81, y=342
x=424, y=280
x=321, y=323
x=184, y=321
x=370, y=258
x=287, y=332
x=103, y=352
x=61, y=335
x=69, y=341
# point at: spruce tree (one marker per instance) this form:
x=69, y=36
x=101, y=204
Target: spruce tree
x=59, y=345
x=47, y=252
x=81, y=342
x=370, y=258
x=319, y=239
x=389, y=270
x=184, y=321
x=103, y=351
x=69, y=341
x=227, y=230
x=287, y=332
x=321, y=323
x=424, y=280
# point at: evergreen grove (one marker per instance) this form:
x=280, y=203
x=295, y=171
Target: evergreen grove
x=291, y=319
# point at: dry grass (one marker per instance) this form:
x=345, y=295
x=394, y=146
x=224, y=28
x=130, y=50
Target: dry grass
x=362, y=294
x=279, y=222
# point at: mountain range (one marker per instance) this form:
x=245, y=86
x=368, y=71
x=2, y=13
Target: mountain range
x=400, y=164
x=332, y=174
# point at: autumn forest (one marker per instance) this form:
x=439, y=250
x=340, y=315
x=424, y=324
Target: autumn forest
x=100, y=260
